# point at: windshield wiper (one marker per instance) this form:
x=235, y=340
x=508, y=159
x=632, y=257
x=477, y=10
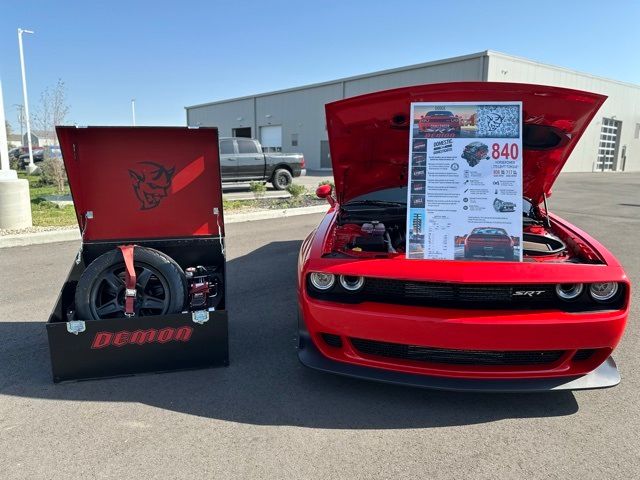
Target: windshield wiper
x=375, y=203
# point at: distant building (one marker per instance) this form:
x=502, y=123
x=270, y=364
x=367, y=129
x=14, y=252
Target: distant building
x=39, y=138
x=293, y=119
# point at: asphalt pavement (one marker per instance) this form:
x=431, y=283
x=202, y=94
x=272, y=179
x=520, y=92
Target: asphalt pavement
x=266, y=416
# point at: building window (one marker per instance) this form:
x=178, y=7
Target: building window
x=294, y=139
x=242, y=132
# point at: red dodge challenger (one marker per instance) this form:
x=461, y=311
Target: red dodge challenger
x=365, y=310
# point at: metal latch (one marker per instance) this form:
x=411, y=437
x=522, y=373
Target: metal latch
x=76, y=326
x=200, y=316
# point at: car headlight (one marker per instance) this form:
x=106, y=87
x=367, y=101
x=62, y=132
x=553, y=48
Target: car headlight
x=602, y=292
x=569, y=291
x=351, y=283
x=322, y=281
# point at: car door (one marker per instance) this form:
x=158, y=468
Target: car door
x=228, y=159
x=250, y=159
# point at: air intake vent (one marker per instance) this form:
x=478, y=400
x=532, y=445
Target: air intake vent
x=455, y=357
x=332, y=340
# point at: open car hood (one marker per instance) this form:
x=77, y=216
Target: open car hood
x=369, y=134
x=144, y=182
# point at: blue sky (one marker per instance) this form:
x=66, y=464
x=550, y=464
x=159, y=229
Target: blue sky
x=171, y=54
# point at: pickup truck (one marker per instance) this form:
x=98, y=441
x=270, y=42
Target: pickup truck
x=242, y=160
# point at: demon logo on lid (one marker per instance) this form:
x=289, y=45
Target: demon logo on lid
x=151, y=183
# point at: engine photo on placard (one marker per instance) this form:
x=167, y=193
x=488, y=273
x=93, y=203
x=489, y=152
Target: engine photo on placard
x=147, y=289
x=439, y=241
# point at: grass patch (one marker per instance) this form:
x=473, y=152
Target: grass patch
x=36, y=189
x=272, y=203
x=47, y=214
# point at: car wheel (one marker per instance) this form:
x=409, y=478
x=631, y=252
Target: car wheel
x=281, y=179
x=161, y=286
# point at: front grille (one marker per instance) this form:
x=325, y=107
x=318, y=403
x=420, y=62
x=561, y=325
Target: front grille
x=465, y=295
x=455, y=357
x=399, y=291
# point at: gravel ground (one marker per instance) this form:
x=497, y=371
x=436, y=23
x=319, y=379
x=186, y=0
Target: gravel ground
x=4, y=231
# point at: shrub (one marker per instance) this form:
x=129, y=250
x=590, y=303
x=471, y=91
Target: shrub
x=53, y=173
x=258, y=189
x=327, y=182
x=296, y=190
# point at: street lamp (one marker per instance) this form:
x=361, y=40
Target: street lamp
x=31, y=166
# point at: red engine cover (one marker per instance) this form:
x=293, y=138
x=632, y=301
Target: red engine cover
x=144, y=182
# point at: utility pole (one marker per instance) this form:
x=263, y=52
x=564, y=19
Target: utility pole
x=31, y=166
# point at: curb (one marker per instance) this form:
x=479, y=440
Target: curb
x=268, y=214
x=67, y=235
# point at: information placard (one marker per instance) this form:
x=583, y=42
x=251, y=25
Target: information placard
x=465, y=181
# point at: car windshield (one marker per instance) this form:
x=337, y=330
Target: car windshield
x=489, y=231
x=440, y=113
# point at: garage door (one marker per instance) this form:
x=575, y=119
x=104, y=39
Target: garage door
x=609, y=144
x=271, y=138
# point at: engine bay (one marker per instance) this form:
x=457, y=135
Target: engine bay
x=383, y=235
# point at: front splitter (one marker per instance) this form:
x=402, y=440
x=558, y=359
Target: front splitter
x=605, y=376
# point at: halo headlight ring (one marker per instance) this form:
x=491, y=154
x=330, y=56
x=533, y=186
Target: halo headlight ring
x=351, y=283
x=569, y=291
x=322, y=281
x=603, y=291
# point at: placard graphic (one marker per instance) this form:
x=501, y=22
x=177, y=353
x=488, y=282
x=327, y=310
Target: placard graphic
x=465, y=181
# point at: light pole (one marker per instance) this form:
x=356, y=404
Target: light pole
x=31, y=166
x=133, y=110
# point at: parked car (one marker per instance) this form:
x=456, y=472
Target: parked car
x=14, y=153
x=366, y=310
x=488, y=242
x=39, y=155
x=243, y=160
x=439, y=121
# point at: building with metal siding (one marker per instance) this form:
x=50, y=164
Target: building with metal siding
x=612, y=141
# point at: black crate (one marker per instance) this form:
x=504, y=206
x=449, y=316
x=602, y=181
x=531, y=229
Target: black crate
x=86, y=349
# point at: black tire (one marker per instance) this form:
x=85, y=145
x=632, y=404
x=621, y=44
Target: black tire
x=161, y=286
x=281, y=179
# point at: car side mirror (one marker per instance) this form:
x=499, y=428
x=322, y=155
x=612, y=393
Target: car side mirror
x=325, y=191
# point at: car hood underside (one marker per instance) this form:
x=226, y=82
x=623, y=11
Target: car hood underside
x=369, y=134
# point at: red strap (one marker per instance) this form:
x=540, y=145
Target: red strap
x=130, y=279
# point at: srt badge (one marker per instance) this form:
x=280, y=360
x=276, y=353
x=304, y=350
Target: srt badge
x=151, y=183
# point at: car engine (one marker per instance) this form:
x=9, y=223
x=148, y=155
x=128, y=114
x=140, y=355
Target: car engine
x=385, y=237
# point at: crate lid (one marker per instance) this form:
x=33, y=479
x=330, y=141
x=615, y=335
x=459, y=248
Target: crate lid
x=144, y=182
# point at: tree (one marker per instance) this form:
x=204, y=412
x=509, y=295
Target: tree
x=53, y=109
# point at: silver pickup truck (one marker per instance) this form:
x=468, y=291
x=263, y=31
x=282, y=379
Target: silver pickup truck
x=242, y=160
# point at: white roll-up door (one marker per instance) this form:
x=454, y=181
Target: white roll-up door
x=271, y=138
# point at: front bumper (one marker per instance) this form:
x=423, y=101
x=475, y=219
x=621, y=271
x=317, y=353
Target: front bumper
x=606, y=375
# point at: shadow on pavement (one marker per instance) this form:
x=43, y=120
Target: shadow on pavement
x=265, y=384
